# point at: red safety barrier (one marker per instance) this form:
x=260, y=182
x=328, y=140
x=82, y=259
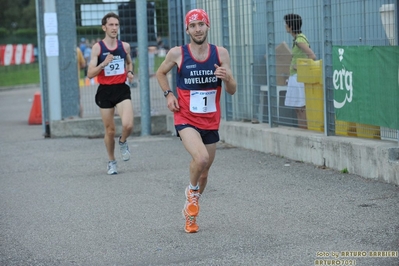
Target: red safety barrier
x=16, y=54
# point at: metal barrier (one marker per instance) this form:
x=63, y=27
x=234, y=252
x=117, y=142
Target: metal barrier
x=259, y=47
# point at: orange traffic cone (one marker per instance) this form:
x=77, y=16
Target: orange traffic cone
x=88, y=82
x=35, y=117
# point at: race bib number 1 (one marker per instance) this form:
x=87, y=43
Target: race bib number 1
x=203, y=101
x=116, y=67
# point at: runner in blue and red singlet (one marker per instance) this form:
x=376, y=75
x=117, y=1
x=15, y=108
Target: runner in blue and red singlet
x=202, y=67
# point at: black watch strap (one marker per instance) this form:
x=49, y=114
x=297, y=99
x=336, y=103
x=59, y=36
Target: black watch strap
x=166, y=93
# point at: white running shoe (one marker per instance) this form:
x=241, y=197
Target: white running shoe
x=124, y=149
x=112, y=168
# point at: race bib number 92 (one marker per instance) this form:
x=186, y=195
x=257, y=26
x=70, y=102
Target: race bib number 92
x=116, y=67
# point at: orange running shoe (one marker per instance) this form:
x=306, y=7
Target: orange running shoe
x=191, y=225
x=192, y=205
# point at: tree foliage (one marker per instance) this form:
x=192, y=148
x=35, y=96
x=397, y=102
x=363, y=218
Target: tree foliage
x=21, y=14
x=161, y=7
x=18, y=14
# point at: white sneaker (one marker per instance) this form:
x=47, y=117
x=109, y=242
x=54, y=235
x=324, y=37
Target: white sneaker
x=124, y=149
x=112, y=168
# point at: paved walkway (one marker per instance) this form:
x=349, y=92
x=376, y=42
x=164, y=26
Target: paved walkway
x=58, y=206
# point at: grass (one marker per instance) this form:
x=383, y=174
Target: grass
x=345, y=171
x=157, y=63
x=19, y=75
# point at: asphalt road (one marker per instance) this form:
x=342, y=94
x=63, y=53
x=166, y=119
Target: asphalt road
x=59, y=207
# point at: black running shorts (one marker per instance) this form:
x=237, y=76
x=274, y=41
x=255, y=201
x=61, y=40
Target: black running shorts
x=208, y=136
x=108, y=96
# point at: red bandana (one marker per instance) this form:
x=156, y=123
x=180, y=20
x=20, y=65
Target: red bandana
x=197, y=14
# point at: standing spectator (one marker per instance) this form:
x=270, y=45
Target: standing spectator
x=152, y=50
x=81, y=65
x=87, y=54
x=82, y=45
x=161, y=49
x=201, y=69
x=295, y=96
x=111, y=63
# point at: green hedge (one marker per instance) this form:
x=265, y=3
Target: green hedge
x=26, y=33
x=30, y=35
x=22, y=36
x=3, y=32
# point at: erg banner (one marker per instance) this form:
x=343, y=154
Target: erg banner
x=16, y=54
x=366, y=84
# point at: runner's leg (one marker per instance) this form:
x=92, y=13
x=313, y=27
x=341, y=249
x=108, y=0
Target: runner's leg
x=125, y=111
x=107, y=116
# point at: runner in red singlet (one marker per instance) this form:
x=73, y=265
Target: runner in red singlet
x=111, y=62
x=202, y=67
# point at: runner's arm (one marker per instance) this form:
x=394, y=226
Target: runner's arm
x=224, y=71
x=173, y=57
x=93, y=70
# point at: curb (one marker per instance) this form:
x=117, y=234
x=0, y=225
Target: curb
x=18, y=87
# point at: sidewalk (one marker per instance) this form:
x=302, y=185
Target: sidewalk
x=59, y=207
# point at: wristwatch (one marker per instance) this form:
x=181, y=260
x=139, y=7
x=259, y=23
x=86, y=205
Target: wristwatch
x=166, y=93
